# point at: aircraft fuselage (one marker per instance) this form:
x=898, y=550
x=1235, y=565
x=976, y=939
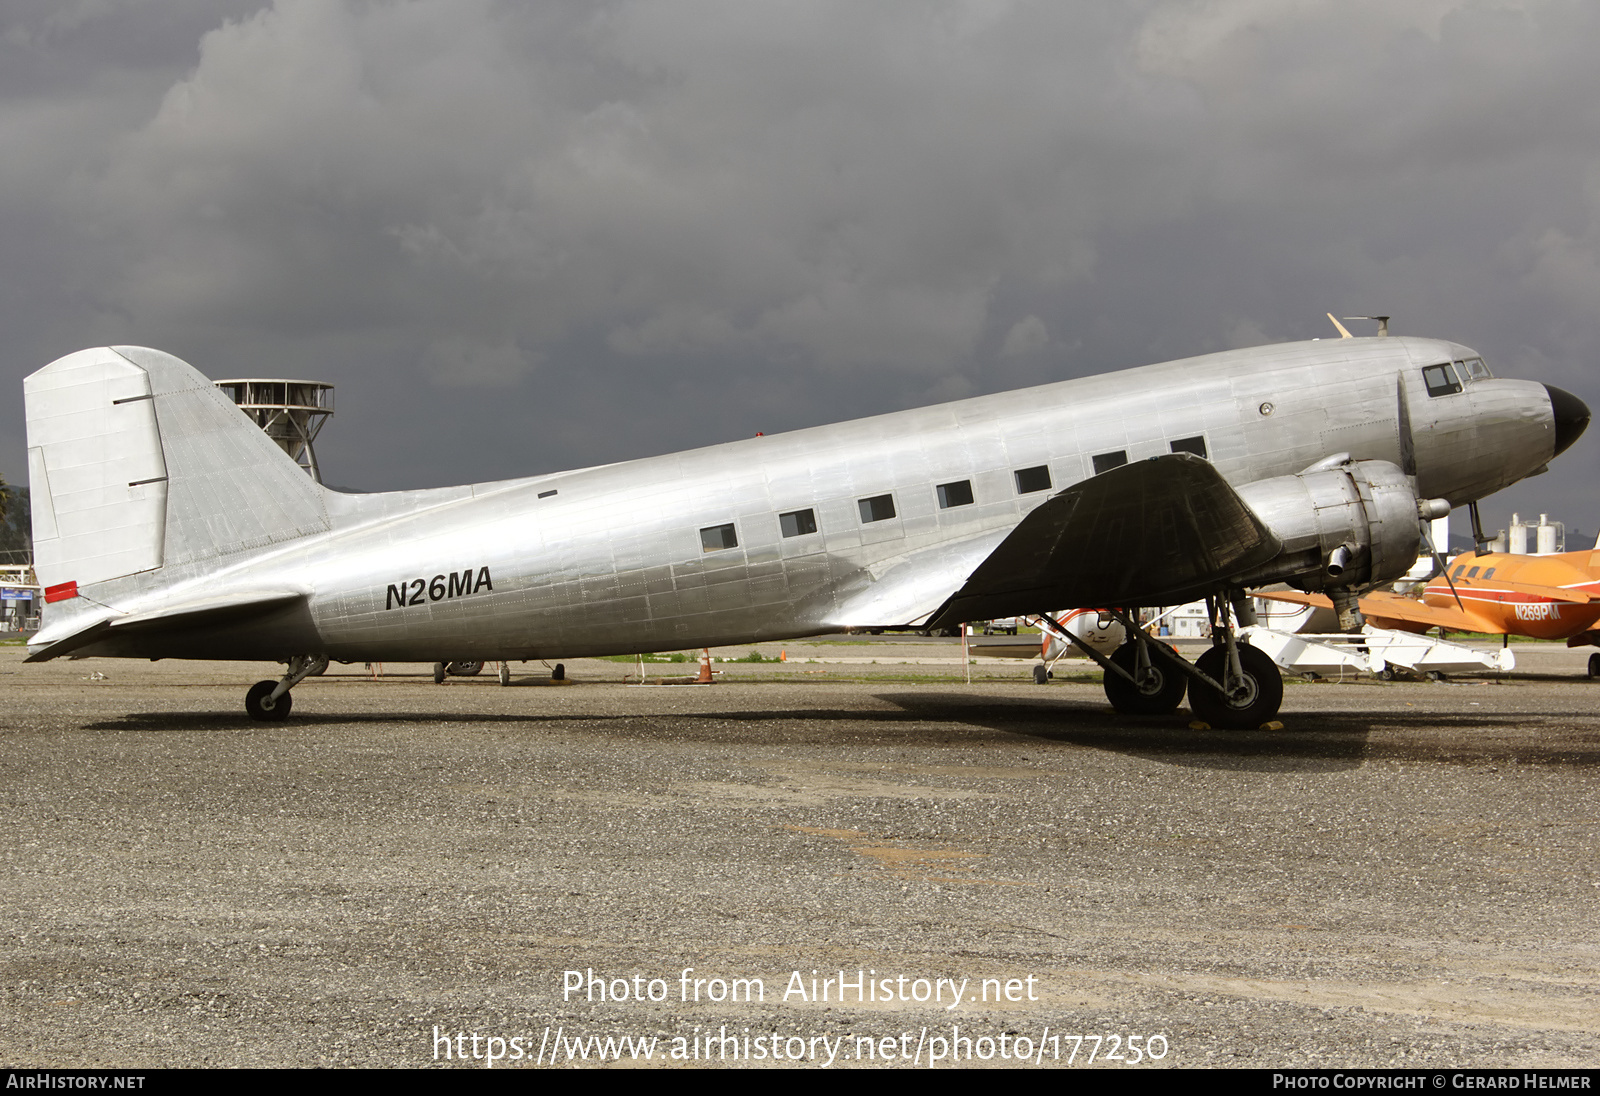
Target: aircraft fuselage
x=1494, y=588
x=851, y=525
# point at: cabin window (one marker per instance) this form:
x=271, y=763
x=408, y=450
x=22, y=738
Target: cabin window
x=1472, y=573
x=1441, y=380
x=955, y=494
x=1195, y=445
x=546, y=494
x=1489, y=574
x=798, y=523
x=877, y=508
x=718, y=537
x=1105, y=462
x=1030, y=480
x=1458, y=571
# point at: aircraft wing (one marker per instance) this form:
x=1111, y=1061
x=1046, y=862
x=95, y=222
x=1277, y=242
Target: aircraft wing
x=1385, y=610
x=1382, y=608
x=1156, y=532
x=910, y=589
x=1551, y=593
x=1295, y=597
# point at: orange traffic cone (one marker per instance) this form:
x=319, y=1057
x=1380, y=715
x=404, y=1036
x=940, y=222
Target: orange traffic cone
x=705, y=667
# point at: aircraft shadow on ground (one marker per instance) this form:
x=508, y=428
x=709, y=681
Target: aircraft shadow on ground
x=1330, y=740
x=182, y=722
x=1166, y=739
x=1310, y=741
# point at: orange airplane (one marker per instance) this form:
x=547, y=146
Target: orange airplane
x=1543, y=597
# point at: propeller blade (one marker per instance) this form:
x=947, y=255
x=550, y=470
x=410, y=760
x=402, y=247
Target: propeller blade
x=1438, y=561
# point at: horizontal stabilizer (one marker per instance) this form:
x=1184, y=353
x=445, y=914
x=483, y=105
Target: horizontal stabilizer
x=174, y=616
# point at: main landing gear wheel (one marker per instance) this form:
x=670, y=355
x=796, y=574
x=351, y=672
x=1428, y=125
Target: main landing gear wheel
x=1260, y=692
x=1594, y=665
x=258, y=703
x=1159, y=694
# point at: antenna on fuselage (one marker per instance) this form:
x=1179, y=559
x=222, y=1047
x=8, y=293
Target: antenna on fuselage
x=1343, y=334
x=1383, y=324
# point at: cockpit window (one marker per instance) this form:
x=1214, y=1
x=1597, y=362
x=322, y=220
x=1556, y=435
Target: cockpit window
x=1475, y=369
x=1441, y=380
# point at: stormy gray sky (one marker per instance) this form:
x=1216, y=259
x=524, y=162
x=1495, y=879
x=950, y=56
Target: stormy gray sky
x=523, y=237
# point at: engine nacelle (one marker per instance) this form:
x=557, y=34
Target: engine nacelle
x=1353, y=523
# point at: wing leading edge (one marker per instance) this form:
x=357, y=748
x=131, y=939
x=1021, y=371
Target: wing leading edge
x=1386, y=610
x=1160, y=531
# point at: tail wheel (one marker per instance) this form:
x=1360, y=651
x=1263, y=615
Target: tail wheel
x=1260, y=696
x=258, y=704
x=1159, y=694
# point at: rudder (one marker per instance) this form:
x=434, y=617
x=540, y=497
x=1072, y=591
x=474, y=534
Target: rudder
x=138, y=462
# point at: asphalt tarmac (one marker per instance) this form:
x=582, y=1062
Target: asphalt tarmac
x=998, y=873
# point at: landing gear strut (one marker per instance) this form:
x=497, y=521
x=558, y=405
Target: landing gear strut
x=1155, y=688
x=1239, y=687
x=1247, y=700
x=1142, y=677
x=1234, y=685
x=269, y=701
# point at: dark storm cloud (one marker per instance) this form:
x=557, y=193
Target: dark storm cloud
x=522, y=237
x=842, y=187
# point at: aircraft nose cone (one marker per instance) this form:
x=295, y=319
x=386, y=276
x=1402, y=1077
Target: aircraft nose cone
x=1571, y=414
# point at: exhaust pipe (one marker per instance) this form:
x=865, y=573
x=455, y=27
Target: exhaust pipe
x=1338, y=560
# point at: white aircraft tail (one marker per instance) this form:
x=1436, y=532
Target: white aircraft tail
x=138, y=464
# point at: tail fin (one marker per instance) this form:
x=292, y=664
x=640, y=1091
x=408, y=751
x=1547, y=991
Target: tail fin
x=138, y=463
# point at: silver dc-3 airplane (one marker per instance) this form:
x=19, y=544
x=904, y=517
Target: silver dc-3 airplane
x=167, y=525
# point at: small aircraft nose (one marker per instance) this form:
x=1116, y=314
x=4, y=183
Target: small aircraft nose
x=1571, y=414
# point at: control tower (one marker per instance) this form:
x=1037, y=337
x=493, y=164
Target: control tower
x=291, y=412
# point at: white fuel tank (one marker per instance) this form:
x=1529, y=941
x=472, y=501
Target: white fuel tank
x=1092, y=626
